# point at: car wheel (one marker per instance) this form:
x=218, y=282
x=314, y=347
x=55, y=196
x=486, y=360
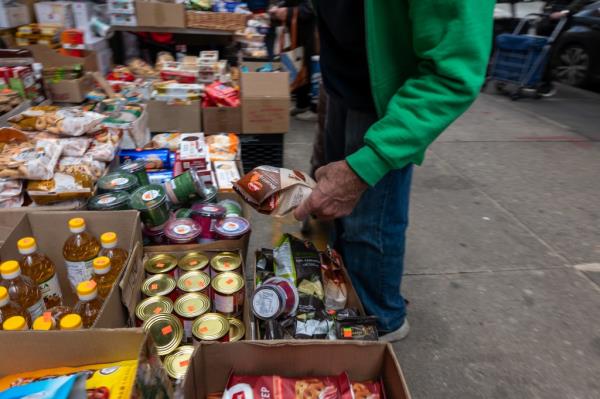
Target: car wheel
x=572, y=65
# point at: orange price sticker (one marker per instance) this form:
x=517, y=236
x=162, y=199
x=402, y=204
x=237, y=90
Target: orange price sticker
x=154, y=286
x=191, y=308
x=347, y=333
x=47, y=317
x=157, y=310
x=184, y=363
x=227, y=265
x=193, y=262
x=160, y=265
x=167, y=330
x=204, y=329
x=201, y=284
x=188, y=283
x=229, y=281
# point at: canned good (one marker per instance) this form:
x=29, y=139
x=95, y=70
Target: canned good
x=232, y=228
x=237, y=330
x=155, y=159
x=138, y=169
x=182, y=231
x=194, y=281
x=118, y=181
x=155, y=235
x=176, y=364
x=193, y=261
x=207, y=216
x=211, y=327
x=228, y=293
x=232, y=208
x=151, y=306
x=185, y=187
x=115, y=201
x=151, y=201
x=274, y=298
x=159, y=176
x=161, y=264
x=159, y=285
x=226, y=262
x=166, y=331
x=188, y=308
x=210, y=195
x=183, y=213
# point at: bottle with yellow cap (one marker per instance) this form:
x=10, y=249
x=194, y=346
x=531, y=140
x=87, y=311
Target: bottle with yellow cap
x=72, y=321
x=22, y=289
x=44, y=323
x=10, y=308
x=117, y=256
x=79, y=251
x=40, y=269
x=15, y=323
x=89, y=304
x=104, y=275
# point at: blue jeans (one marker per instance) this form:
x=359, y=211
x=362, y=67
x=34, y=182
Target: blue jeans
x=372, y=238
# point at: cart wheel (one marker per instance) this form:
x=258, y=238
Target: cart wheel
x=500, y=87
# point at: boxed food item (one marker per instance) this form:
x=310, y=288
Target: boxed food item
x=226, y=172
x=164, y=14
x=193, y=152
x=55, y=12
x=121, y=363
x=265, y=102
x=13, y=14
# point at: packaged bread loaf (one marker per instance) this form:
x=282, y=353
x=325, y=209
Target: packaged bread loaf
x=29, y=160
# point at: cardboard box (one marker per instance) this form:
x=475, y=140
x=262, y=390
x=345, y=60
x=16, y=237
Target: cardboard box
x=123, y=20
x=50, y=231
x=14, y=15
x=70, y=91
x=265, y=102
x=121, y=7
x=83, y=11
x=55, y=12
x=30, y=351
x=166, y=117
x=164, y=14
x=222, y=120
x=51, y=58
x=211, y=365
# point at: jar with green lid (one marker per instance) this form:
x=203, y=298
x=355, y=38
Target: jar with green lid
x=151, y=201
x=137, y=168
x=115, y=201
x=118, y=181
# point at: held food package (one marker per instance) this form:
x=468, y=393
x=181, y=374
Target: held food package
x=274, y=191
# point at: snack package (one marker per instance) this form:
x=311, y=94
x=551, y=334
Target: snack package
x=276, y=387
x=296, y=259
x=219, y=95
x=28, y=119
x=72, y=146
x=85, y=165
x=11, y=193
x=223, y=147
x=64, y=387
x=62, y=187
x=104, y=146
x=274, y=191
x=368, y=390
x=336, y=292
x=351, y=326
x=75, y=122
x=171, y=141
x=312, y=329
x=30, y=161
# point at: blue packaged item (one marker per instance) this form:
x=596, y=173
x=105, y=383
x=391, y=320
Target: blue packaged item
x=155, y=159
x=64, y=387
x=160, y=176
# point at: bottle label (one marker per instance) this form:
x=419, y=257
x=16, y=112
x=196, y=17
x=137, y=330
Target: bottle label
x=37, y=309
x=79, y=271
x=51, y=289
x=224, y=304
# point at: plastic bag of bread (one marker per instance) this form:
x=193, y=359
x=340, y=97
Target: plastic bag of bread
x=104, y=146
x=165, y=140
x=62, y=187
x=72, y=122
x=28, y=119
x=27, y=160
x=223, y=147
x=11, y=193
x=86, y=165
x=72, y=146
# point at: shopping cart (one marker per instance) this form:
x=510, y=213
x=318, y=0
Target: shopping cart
x=520, y=59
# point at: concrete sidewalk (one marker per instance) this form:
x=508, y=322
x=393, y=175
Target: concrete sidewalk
x=503, y=242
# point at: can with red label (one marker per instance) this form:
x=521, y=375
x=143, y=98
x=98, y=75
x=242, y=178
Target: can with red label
x=207, y=215
x=228, y=293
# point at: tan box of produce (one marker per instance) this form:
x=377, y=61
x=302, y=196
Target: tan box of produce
x=50, y=229
x=265, y=102
x=222, y=119
x=166, y=117
x=363, y=361
x=32, y=351
x=163, y=14
x=71, y=90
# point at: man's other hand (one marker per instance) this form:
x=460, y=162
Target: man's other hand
x=337, y=192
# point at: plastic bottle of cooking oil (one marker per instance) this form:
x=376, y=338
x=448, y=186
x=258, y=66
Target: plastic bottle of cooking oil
x=89, y=304
x=79, y=251
x=10, y=308
x=58, y=312
x=40, y=269
x=15, y=323
x=117, y=256
x=22, y=289
x=71, y=321
x=104, y=275
x=45, y=323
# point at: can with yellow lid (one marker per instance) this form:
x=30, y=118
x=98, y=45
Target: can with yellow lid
x=194, y=261
x=160, y=285
x=176, y=364
x=151, y=306
x=166, y=331
x=188, y=307
x=161, y=264
x=226, y=262
x=193, y=282
x=211, y=327
x=228, y=293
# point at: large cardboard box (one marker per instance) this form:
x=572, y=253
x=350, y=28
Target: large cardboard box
x=211, y=364
x=265, y=102
x=32, y=350
x=222, y=120
x=163, y=14
x=14, y=15
x=55, y=12
x=167, y=117
x=50, y=231
x=70, y=91
x=51, y=58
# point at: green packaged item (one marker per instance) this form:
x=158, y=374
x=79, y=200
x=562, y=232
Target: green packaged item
x=137, y=168
x=114, y=201
x=118, y=181
x=151, y=201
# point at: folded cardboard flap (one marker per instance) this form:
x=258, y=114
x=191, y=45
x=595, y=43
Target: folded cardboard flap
x=131, y=282
x=8, y=221
x=51, y=58
x=212, y=363
x=71, y=90
x=265, y=85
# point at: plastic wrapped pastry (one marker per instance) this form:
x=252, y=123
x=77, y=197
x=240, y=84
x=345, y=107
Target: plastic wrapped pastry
x=30, y=161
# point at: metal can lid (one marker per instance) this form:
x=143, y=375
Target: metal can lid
x=237, y=330
x=166, y=330
x=210, y=195
x=162, y=263
x=158, y=285
x=193, y=261
x=148, y=197
x=182, y=230
x=133, y=166
x=109, y=200
x=232, y=226
x=268, y=302
x=227, y=283
x=153, y=305
x=117, y=181
x=209, y=210
x=176, y=364
x=210, y=327
x=193, y=281
x=192, y=305
x=226, y=262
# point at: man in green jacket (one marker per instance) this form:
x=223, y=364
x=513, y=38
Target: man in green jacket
x=397, y=73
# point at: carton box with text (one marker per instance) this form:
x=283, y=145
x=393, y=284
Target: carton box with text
x=70, y=90
x=265, y=102
x=50, y=58
x=50, y=229
x=31, y=351
x=167, y=117
x=13, y=15
x=163, y=14
x=222, y=119
x=55, y=12
x=211, y=364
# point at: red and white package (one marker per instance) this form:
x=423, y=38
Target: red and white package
x=368, y=390
x=276, y=387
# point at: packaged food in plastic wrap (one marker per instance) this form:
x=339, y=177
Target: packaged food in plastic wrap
x=85, y=165
x=218, y=94
x=72, y=146
x=336, y=291
x=62, y=187
x=170, y=141
x=63, y=387
x=104, y=146
x=11, y=193
x=28, y=119
x=351, y=326
x=75, y=122
x=30, y=161
x=368, y=390
x=223, y=147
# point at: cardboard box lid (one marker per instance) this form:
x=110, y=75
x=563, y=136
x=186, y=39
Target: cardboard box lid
x=265, y=85
x=51, y=58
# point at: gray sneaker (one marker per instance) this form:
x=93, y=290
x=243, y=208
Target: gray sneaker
x=397, y=335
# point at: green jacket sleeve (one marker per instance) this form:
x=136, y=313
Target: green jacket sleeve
x=451, y=40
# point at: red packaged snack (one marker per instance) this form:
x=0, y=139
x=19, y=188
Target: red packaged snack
x=368, y=390
x=276, y=387
x=218, y=94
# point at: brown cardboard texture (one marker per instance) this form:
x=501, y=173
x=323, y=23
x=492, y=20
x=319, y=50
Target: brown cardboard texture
x=27, y=352
x=265, y=102
x=51, y=58
x=70, y=91
x=165, y=117
x=222, y=120
x=50, y=230
x=8, y=221
x=163, y=14
x=212, y=363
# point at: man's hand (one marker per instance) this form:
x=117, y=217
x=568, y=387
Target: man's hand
x=336, y=194
x=279, y=13
x=559, y=14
